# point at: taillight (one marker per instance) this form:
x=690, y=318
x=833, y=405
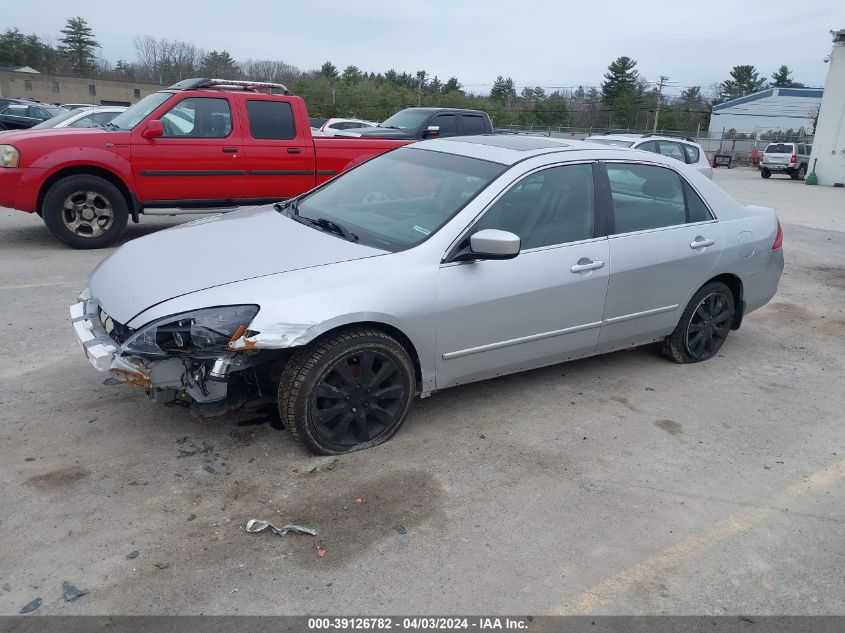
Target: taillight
x=794, y=159
x=709, y=164
x=778, y=238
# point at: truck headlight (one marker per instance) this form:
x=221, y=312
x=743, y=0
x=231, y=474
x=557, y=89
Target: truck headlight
x=9, y=156
x=198, y=332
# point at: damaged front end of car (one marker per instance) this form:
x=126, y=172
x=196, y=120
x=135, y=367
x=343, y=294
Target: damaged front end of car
x=203, y=359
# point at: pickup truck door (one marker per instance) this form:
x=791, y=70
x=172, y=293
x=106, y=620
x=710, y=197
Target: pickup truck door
x=279, y=151
x=199, y=159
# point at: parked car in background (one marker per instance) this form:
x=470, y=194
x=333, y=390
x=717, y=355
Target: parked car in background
x=438, y=264
x=792, y=159
x=76, y=106
x=684, y=149
x=422, y=123
x=82, y=117
x=199, y=144
x=22, y=115
x=317, y=121
x=331, y=126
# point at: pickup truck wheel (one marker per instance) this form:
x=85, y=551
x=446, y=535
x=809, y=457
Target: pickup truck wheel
x=799, y=175
x=85, y=212
x=347, y=392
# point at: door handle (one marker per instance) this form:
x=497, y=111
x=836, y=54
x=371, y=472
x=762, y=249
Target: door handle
x=585, y=263
x=701, y=242
x=294, y=150
x=230, y=150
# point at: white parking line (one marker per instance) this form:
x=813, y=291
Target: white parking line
x=41, y=285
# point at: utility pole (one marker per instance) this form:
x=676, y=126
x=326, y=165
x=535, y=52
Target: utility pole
x=663, y=80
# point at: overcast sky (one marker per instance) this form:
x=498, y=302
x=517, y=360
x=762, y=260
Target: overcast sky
x=537, y=42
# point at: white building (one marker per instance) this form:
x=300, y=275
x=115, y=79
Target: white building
x=828, y=155
x=773, y=109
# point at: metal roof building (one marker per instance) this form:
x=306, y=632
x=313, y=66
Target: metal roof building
x=773, y=109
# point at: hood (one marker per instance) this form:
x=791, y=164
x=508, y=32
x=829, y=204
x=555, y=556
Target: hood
x=377, y=132
x=55, y=132
x=212, y=252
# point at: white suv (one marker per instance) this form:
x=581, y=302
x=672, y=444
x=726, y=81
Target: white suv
x=685, y=150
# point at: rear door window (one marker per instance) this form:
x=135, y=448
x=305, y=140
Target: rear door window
x=270, y=119
x=473, y=124
x=672, y=150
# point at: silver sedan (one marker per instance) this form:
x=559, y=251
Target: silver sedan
x=437, y=264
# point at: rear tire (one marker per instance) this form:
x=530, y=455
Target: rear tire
x=802, y=171
x=765, y=173
x=703, y=327
x=85, y=211
x=347, y=392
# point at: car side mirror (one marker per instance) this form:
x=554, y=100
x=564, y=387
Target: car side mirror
x=432, y=130
x=490, y=244
x=154, y=129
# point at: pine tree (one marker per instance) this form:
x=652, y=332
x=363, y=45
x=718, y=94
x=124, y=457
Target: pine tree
x=329, y=70
x=782, y=79
x=503, y=90
x=622, y=91
x=78, y=44
x=744, y=80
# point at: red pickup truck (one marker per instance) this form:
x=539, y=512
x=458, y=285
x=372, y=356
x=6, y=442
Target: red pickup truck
x=199, y=144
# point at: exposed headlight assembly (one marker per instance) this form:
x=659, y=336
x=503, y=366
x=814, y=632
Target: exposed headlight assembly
x=198, y=332
x=9, y=156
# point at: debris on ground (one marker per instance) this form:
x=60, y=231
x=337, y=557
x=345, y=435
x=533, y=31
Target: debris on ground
x=191, y=516
x=321, y=551
x=7, y=587
x=333, y=464
x=162, y=565
x=259, y=525
x=72, y=592
x=93, y=420
x=649, y=388
x=401, y=530
x=31, y=606
x=482, y=436
x=133, y=554
x=359, y=501
x=182, y=439
x=205, y=449
x=209, y=469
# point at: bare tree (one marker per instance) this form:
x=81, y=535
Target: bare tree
x=165, y=61
x=268, y=70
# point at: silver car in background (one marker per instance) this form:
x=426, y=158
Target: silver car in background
x=82, y=117
x=683, y=149
x=437, y=264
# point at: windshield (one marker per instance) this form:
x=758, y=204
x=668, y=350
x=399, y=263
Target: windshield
x=138, y=112
x=55, y=120
x=398, y=199
x=611, y=141
x=406, y=119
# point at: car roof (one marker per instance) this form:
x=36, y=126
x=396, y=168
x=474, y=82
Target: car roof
x=439, y=109
x=508, y=149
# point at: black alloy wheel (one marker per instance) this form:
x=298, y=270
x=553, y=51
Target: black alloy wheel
x=703, y=327
x=357, y=399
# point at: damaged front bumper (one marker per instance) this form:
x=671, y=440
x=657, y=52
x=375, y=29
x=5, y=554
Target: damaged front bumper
x=198, y=381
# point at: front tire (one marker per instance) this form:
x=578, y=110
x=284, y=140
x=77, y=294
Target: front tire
x=347, y=392
x=703, y=327
x=765, y=173
x=85, y=211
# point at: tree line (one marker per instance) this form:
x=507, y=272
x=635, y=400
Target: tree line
x=623, y=100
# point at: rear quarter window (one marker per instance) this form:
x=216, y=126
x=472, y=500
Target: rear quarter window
x=270, y=119
x=473, y=124
x=691, y=153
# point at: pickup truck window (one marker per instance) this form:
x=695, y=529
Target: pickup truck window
x=405, y=120
x=135, y=114
x=448, y=124
x=270, y=119
x=198, y=117
x=473, y=124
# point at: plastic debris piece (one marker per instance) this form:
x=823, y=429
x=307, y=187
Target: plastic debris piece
x=359, y=500
x=162, y=565
x=401, y=530
x=333, y=464
x=321, y=551
x=31, y=606
x=259, y=525
x=209, y=469
x=191, y=516
x=71, y=592
x=133, y=554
